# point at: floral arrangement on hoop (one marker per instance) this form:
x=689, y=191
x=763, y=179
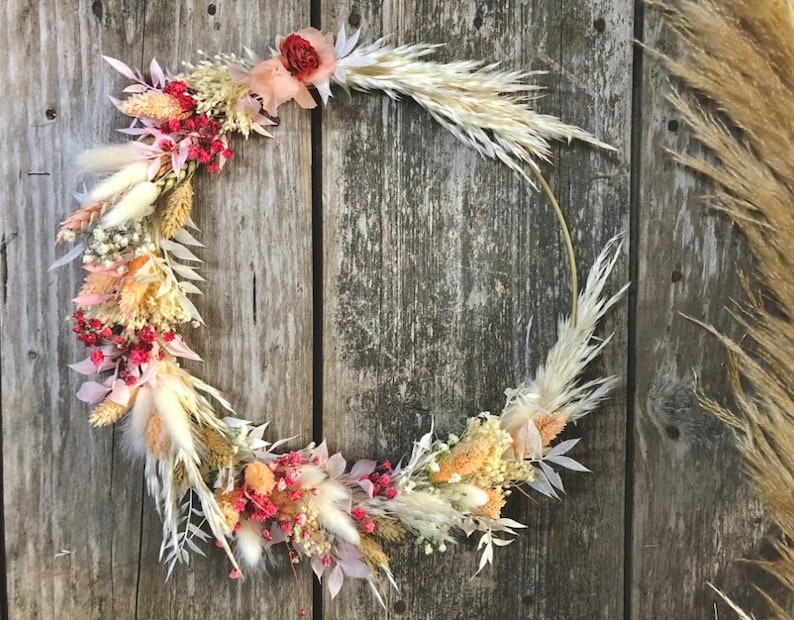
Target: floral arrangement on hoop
x=134, y=227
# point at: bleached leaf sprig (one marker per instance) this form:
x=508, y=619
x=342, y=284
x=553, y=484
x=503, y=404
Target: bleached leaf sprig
x=214, y=478
x=486, y=108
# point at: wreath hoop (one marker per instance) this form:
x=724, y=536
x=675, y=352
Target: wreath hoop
x=202, y=469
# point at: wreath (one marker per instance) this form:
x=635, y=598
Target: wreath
x=217, y=478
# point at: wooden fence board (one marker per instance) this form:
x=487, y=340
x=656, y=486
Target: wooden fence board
x=435, y=260
x=67, y=486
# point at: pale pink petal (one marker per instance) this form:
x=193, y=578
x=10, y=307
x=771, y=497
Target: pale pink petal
x=304, y=98
x=179, y=348
x=92, y=392
x=91, y=299
x=273, y=84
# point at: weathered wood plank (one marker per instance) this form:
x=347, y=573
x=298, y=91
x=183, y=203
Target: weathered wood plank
x=57, y=473
x=694, y=516
x=69, y=487
x=435, y=261
x=256, y=219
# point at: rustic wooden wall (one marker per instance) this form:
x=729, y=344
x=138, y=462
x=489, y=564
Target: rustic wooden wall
x=365, y=233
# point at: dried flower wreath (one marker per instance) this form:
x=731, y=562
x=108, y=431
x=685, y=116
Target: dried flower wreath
x=204, y=470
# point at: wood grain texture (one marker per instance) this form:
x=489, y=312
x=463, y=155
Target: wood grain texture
x=66, y=486
x=694, y=515
x=434, y=262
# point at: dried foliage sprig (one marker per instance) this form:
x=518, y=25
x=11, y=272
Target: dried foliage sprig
x=204, y=469
x=740, y=56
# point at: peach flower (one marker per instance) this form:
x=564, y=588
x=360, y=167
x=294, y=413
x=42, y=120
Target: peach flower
x=271, y=81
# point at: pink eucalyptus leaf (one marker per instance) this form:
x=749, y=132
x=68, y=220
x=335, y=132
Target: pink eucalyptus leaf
x=335, y=580
x=317, y=565
x=85, y=367
x=135, y=131
x=121, y=68
x=121, y=393
x=136, y=88
x=368, y=487
x=92, y=392
x=321, y=452
x=154, y=167
x=362, y=468
x=149, y=373
x=356, y=569
x=335, y=465
x=158, y=77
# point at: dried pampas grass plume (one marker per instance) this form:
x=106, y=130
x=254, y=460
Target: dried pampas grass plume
x=740, y=56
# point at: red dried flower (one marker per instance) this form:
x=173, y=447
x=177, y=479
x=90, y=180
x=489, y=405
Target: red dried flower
x=97, y=357
x=138, y=356
x=300, y=58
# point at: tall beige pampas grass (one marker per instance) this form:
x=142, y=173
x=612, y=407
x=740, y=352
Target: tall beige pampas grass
x=740, y=56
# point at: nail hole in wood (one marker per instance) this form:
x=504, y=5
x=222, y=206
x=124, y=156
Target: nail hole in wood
x=212, y=9
x=676, y=276
x=400, y=607
x=599, y=24
x=672, y=125
x=51, y=114
x=672, y=432
x=97, y=9
x=354, y=19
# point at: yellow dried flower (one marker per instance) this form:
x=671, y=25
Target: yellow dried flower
x=155, y=105
x=493, y=508
x=259, y=477
x=106, y=413
x=98, y=284
x=137, y=286
x=215, y=448
x=464, y=459
x=176, y=211
x=226, y=502
x=158, y=443
x=374, y=556
x=549, y=426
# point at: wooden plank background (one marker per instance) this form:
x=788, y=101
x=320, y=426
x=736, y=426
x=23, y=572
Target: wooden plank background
x=366, y=233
